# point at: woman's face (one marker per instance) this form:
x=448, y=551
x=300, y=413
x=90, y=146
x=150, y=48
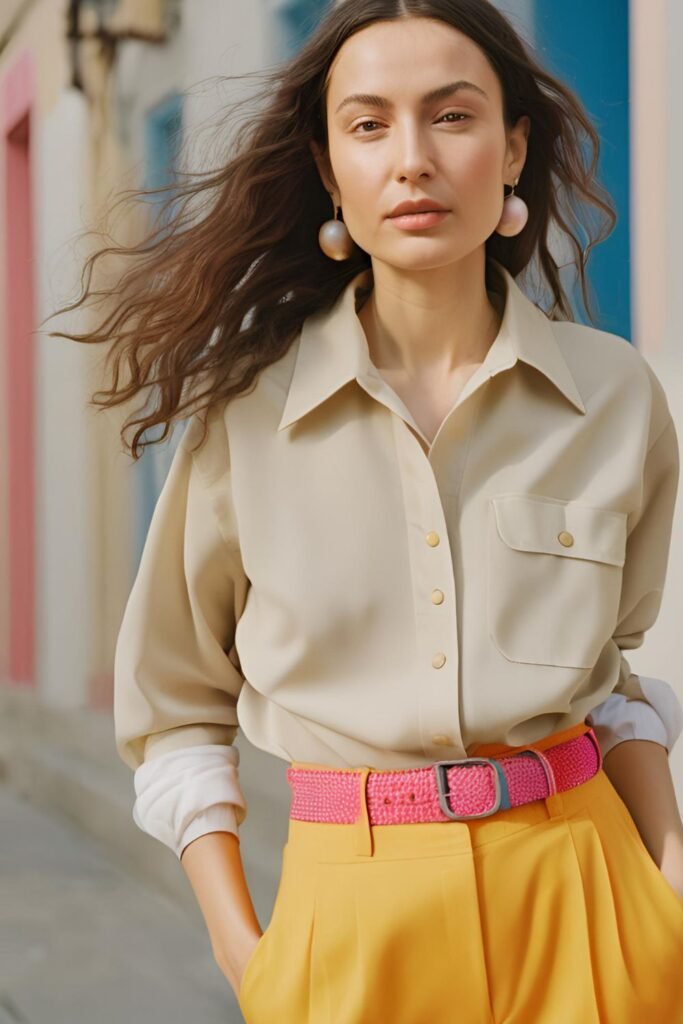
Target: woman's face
x=388, y=141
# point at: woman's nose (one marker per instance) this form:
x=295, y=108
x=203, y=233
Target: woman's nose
x=413, y=155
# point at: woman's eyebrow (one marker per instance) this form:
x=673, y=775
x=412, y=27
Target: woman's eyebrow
x=441, y=92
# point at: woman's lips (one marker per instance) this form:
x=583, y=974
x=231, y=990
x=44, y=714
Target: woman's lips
x=413, y=221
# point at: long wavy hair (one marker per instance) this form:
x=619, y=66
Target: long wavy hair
x=207, y=301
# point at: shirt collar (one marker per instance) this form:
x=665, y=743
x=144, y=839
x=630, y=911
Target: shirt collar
x=333, y=348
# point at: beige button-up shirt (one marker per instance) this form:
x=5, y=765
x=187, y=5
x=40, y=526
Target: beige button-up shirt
x=320, y=576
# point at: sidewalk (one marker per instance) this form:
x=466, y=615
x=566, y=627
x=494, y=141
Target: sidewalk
x=81, y=942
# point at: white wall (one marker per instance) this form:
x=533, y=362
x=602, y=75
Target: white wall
x=657, y=219
x=213, y=40
x=672, y=205
x=64, y=519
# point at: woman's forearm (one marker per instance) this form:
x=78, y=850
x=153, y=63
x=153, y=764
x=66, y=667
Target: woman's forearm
x=213, y=864
x=640, y=772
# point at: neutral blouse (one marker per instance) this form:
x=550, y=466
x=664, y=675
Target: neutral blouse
x=320, y=576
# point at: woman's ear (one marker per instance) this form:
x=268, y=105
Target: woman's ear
x=518, y=145
x=324, y=170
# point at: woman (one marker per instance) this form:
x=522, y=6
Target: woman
x=412, y=525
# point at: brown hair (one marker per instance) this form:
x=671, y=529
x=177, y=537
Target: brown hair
x=214, y=300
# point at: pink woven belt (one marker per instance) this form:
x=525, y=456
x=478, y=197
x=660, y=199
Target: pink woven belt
x=473, y=787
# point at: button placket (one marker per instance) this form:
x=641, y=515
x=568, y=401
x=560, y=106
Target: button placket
x=431, y=562
x=450, y=470
x=438, y=597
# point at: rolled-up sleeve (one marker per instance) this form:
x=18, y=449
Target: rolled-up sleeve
x=659, y=721
x=176, y=671
x=185, y=793
x=644, y=573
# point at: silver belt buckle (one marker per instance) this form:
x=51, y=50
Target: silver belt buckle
x=440, y=767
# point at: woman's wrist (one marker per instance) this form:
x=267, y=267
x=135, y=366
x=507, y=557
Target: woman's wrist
x=232, y=956
x=213, y=864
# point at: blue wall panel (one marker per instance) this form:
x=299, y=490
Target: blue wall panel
x=296, y=20
x=163, y=137
x=587, y=45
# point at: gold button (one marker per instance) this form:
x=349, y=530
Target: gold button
x=565, y=539
x=442, y=741
x=432, y=539
x=437, y=596
x=439, y=660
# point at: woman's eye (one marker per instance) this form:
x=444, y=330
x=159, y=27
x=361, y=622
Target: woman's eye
x=450, y=113
x=453, y=113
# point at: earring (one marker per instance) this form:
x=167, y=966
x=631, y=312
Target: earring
x=334, y=238
x=515, y=214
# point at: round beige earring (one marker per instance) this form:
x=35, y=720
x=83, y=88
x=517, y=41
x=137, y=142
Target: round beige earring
x=515, y=214
x=334, y=238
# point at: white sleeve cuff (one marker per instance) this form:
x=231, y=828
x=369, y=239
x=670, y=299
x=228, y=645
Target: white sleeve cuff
x=188, y=792
x=219, y=818
x=659, y=719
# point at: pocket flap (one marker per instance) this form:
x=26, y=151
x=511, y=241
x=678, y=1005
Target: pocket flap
x=537, y=523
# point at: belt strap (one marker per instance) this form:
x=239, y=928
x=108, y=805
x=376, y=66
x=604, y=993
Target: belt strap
x=473, y=787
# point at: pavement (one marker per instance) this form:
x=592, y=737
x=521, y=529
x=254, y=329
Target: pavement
x=83, y=942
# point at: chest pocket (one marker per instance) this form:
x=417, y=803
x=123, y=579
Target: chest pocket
x=554, y=576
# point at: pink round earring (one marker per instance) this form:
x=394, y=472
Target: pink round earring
x=334, y=238
x=515, y=214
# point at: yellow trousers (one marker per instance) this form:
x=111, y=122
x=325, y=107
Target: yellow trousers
x=552, y=912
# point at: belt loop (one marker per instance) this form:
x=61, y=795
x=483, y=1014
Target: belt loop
x=554, y=803
x=364, y=838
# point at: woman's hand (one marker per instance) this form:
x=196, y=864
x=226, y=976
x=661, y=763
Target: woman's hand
x=671, y=862
x=234, y=965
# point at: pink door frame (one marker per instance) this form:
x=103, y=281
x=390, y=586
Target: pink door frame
x=17, y=102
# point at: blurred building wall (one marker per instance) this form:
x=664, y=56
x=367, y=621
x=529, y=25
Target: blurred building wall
x=82, y=534
x=50, y=456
